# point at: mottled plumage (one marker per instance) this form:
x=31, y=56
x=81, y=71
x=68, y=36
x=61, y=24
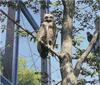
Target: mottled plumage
x=46, y=34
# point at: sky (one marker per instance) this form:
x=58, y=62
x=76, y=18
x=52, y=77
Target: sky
x=28, y=49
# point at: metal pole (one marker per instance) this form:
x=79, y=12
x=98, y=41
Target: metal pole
x=49, y=71
x=49, y=59
x=45, y=63
x=8, y=57
x=44, y=66
x=29, y=17
x=47, y=6
x=15, y=59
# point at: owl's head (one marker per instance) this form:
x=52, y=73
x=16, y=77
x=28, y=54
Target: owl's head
x=48, y=18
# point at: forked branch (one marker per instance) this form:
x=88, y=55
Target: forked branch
x=85, y=54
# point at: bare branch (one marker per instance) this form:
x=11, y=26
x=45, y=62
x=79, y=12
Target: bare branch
x=52, y=50
x=15, y=22
x=85, y=54
x=58, y=82
x=80, y=29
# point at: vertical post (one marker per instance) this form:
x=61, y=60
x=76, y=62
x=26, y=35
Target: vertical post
x=44, y=62
x=8, y=57
x=16, y=48
x=47, y=6
x=49, y=59
x=43, y=9
x=49, y=70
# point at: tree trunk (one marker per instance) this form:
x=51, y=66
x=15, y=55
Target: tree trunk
x=67, y=73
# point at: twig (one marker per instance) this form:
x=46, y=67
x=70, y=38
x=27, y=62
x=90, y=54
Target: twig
x=58, y=82
x=75, y=31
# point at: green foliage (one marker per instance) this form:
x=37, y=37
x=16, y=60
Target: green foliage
x=93, y=66
x=78, y=40
x=32, y=4
x=83, y=15
x=81, y=82
x=22, y=33
x=27, y=76
x=2, y=19
x=56, y=3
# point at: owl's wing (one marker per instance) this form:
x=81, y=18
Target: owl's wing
x=43, y=51
x=40, y=33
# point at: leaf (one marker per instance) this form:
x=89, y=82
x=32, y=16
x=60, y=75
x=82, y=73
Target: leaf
x=27, y=76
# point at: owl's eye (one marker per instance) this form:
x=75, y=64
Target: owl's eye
x=51, y=17
x=46, y=17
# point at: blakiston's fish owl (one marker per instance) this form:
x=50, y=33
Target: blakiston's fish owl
x=46, y=34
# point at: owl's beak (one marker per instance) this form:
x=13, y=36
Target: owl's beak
x=49, y=21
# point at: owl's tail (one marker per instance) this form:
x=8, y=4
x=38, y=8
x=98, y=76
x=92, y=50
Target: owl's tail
x=43, y=51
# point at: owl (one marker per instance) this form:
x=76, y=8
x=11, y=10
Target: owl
x=46, y=34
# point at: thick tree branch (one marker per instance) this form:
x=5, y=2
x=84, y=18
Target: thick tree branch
x=85, y=54
x=69, y=7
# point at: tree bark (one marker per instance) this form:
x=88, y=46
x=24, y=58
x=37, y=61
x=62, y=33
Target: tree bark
x=67, y=73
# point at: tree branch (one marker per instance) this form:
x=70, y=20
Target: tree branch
x=58, y=82
x=15, y=22
x=52, y=50
x=85, y=54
